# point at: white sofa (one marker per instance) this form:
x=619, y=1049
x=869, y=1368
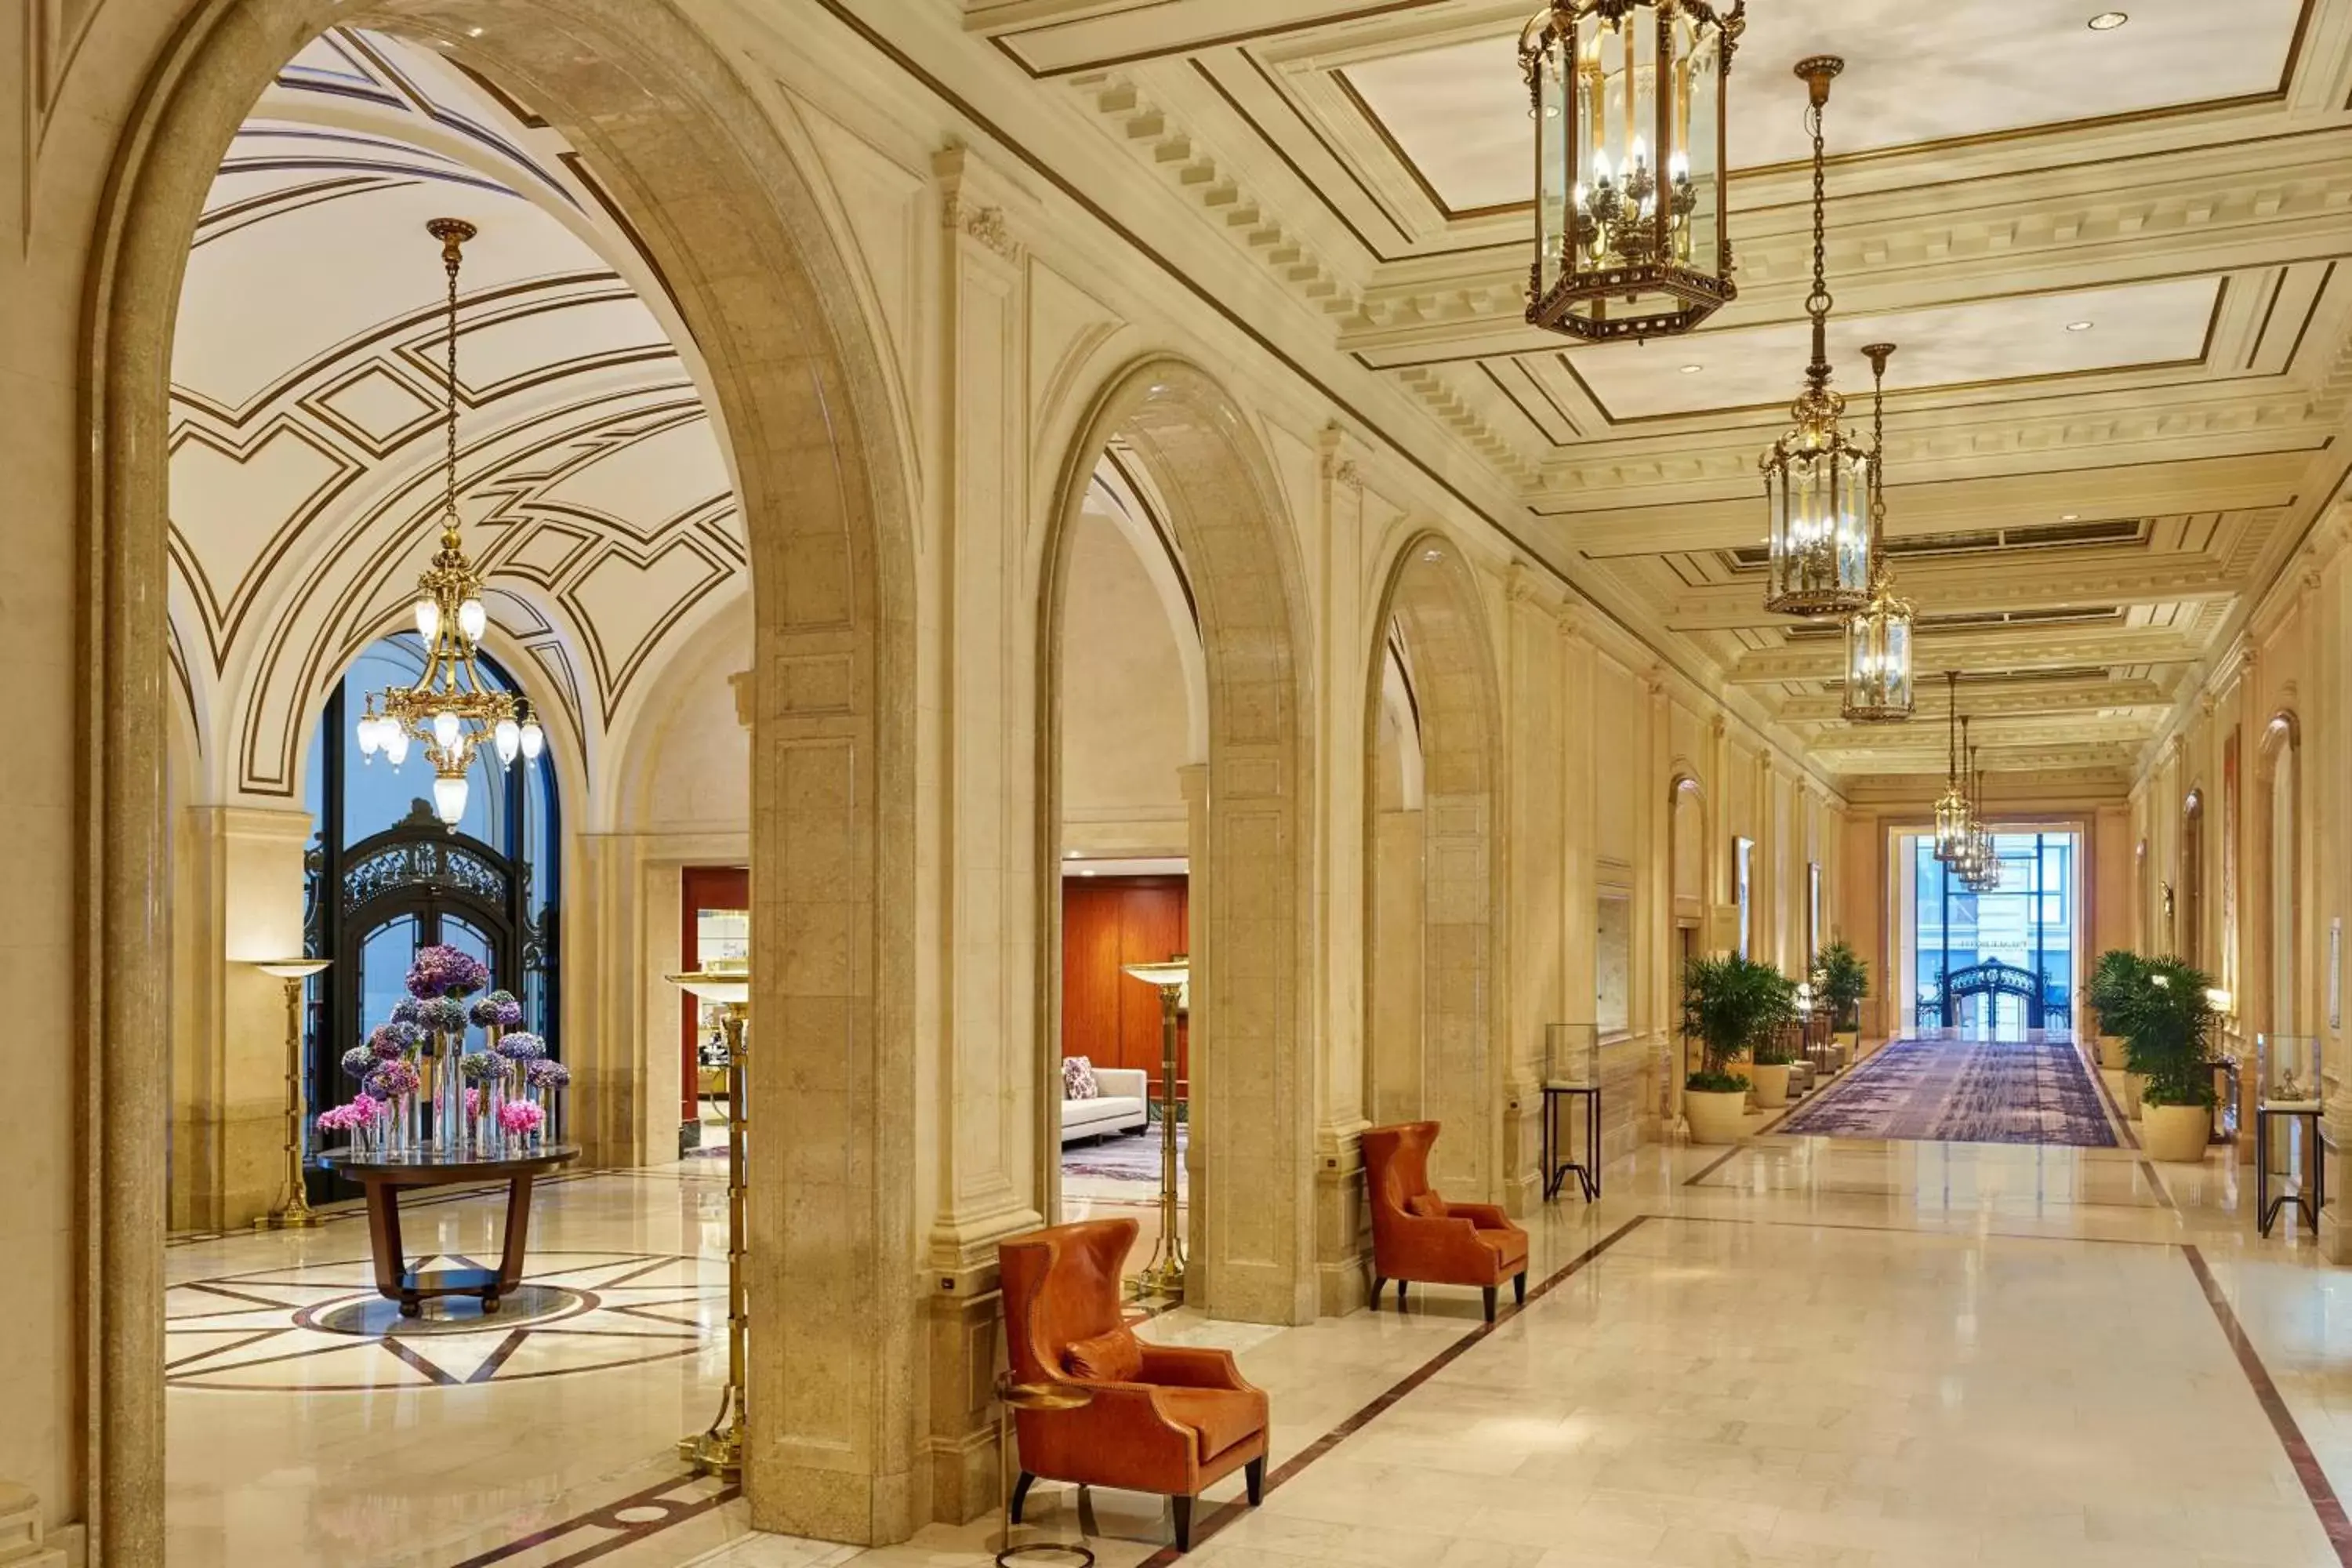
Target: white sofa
x=1121, y=1107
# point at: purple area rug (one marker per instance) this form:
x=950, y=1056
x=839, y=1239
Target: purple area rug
x=1124, y=1158
x=1963, y=1091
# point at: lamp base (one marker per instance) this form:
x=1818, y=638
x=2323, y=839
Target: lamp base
x=296, y=1215
x=716, y=1452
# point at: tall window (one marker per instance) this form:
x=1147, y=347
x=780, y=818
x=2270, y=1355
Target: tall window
x=2028, y=925
x=385, y=876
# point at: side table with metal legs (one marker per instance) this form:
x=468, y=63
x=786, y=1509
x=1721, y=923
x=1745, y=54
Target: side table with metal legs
x=1558, y=1143
x=1011, y=1396
x=2266, y=1207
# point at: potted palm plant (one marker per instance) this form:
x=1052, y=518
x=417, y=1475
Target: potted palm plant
x=1843, y=979
x=2118, y=983
x=2170, y=1040
x=1730, y=1005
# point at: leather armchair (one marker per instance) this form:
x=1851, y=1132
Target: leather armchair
x=1453, y=1243
x=1185, y=1418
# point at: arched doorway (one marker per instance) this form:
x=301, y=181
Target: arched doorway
x=1686, y=882
x=1435, y=886
x=738, y=240
x=2282, y=974
x=1251, y=1027
x=2189, y=920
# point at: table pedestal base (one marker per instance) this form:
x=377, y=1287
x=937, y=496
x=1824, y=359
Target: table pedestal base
x=412, y=1288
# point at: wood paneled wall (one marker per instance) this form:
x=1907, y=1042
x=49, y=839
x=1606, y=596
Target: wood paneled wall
x=1107, y=922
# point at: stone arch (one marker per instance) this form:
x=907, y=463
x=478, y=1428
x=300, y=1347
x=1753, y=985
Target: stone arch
x=1689, y=875
x=2189, y=911
x=1450, y=1067
x=1252, y=1226
x=727, y=217
x=2279, y=833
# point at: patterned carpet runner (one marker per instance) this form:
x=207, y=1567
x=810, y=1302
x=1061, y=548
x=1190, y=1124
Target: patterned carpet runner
x=1963, y=1091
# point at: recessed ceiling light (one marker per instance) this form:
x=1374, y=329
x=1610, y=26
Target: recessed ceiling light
x=473, y=32
x=1433, y=554
x=1693, y=369
x=1085, y=870
x=2068, y=516
x=2108, y=21
x=2078, y=326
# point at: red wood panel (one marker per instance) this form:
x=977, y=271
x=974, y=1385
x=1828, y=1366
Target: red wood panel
x=1109, y=922
x=700, y=887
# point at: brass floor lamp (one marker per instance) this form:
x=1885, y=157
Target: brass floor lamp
x=1163, y=1276
x=719, y=1448
x=293, y=1211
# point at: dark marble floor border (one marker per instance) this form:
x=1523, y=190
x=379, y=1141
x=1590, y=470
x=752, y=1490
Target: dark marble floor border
x=625, y=1532
x=1206, y=1529
x=2308, y=1468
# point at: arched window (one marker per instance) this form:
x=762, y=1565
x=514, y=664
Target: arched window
x=386, y=877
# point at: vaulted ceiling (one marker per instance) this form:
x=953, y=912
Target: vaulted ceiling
x=307, y=380
x=2114, y=262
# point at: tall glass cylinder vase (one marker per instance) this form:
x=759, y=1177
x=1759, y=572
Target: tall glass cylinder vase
x=496, y=1122
x=449, y=1085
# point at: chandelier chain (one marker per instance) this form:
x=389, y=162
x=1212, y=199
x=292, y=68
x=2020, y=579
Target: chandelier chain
x=1818, y=302
x=450, y=258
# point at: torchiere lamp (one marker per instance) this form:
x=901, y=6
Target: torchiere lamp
x=293, y=1211
x=719, y=1450
x=1164, y=1275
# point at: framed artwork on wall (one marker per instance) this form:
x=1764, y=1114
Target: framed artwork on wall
x=1743, y=852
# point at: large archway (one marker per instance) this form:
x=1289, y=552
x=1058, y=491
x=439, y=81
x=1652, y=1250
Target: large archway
x=718, y=202
x=1435, y=884
x=1252, y=868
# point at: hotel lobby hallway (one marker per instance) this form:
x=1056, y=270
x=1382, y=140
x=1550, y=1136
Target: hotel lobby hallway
x=1794, y=1351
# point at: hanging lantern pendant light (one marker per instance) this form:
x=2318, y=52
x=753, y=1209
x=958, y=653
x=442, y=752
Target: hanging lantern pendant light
x=1952, y=806
x=1817, y=479
x=1628, y=99
x=449, y=708
x=1878, y=636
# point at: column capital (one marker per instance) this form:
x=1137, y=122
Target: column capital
x=981, y=202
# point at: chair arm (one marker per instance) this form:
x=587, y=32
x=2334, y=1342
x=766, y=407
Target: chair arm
x=1449, y=1241
x=1486, y=1216
x=1121, y=1437
x=1192, y=1366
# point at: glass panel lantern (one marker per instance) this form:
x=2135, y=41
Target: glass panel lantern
x=1627, y=99
x=1817, y=483
x=1571, y=1055
x=2288, y=1072
x=1878, y=660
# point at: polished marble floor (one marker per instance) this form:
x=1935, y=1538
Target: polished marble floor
x=1797, y=1351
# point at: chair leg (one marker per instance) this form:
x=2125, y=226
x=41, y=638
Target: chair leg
x=1378, y=1285
x=1020, y=1496
x=1520, y=1288
x=1400, y=1285
x=1183, y=1508
x=1254, y=1476
x=1488, y=1291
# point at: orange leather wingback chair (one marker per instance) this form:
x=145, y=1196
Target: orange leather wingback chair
x=1164, y=1418
x=1416, y=1235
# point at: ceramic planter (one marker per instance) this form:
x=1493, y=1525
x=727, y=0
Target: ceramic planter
x=2111, y=1051
x=1771, y=1084
x=2176, y=1134
x=2133, y=1083
x=1715, y=1118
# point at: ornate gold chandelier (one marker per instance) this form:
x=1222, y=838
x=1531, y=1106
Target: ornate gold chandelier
x=449, y=708
x=1628, y=101
x=1979, y=865
x=1878, y=636
x=1954, y=815
x=1817, y=479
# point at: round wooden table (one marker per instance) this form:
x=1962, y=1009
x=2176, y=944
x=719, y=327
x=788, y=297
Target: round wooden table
x=384, y=1174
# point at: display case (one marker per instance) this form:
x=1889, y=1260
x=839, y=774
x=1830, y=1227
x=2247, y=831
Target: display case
x=1571, y=1055
x=2286, y=1070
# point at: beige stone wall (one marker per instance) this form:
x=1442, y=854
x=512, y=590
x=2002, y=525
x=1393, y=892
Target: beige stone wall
x=1125, y=726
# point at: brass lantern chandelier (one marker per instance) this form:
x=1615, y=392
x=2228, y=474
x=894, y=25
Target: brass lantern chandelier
x=449, y=707
x=1878, y=636
x=1817, y=478
x=1979, y=868
x=1954, y=815
x=1628, y=101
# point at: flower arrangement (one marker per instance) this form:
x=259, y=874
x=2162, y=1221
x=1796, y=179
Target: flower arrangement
x=409, y=1010
x=497, y=1010
x=519, y=1117
x=482, y=1067
x=473, y=1103
x=359, y=1061
x=442, y=970
x=547, y=1075
x=389, y=1041
x=521, y=1047
x=354, y=1117
x=393, y=1079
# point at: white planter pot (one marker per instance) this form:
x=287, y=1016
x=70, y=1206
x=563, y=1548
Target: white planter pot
x=1771, y=1085
x=1715, y=1118
x=2133, y=1083
x=2176, y=1134
x=2111, y=1051
x=1849, y=1045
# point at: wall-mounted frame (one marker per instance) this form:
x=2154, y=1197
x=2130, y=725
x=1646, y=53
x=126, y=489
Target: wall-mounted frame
x=1743, y=855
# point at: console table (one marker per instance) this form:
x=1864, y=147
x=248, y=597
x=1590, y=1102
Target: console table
x=384, y=1174
x=2266, y=1207
x=1560, y=1142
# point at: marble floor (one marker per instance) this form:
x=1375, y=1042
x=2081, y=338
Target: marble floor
x=1797, y=1351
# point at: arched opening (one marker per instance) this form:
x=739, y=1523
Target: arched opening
x=2281, y=862
x=1249, y=909
x=1434, y=884
x=736, y=239
x=2188, y=918
x=1686, y=882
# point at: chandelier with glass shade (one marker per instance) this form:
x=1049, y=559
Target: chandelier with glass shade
x=1628, y=101
x=1878, y=636
x=1953, y=814
x=449, y=708
x=1818, y=477
x=1979, y=868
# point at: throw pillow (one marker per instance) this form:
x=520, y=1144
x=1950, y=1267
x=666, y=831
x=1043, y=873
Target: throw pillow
x=1113, y=1357
x=1426, y=1205
x=1079, y=1079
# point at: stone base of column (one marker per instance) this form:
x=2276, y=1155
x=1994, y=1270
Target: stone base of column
x=965, y=1327
x=1343, y=1227
x=21, y=1542
x=2334, y=1224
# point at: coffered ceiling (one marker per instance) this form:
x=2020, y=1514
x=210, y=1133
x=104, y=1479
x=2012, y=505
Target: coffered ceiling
x=308, y=380
x=2118, y=265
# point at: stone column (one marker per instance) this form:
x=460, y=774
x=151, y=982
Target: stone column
x=987, y=1136
x=1193, y=780
x=240, y=882
x=1535, y=760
